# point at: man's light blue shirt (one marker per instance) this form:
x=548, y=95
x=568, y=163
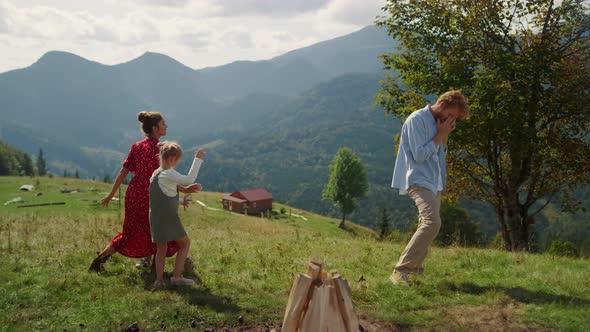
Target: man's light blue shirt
x=419, y=162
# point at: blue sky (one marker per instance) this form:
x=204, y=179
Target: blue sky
x=199, y=33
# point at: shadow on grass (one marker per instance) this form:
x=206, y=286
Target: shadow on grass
x=518, y=293
x=197, y=295
x=202, y=296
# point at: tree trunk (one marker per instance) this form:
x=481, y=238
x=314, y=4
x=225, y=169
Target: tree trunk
x=342, y=222
x=502, y=222
x=517, y=223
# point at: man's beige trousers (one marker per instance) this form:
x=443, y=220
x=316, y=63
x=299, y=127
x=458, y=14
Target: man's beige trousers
x=428, y=204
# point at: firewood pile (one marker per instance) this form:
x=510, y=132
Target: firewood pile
x=320, y=301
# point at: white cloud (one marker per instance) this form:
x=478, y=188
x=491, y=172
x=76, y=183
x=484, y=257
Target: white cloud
x=266, y=7
x=138, y=28
x=55, y=24
x=239, y=39
x=354, y=11
x=3, y=19
x=50, y=23
x=198, y=33
x=195, y=40
x=168, y=3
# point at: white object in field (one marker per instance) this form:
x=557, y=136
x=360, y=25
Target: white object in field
x=27, y=187
x=14, y=200
x=299, y=216
x=207, y=207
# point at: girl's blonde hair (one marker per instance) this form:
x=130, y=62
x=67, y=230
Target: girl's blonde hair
x=169, y=149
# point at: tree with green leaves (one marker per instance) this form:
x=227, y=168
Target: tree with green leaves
x=384, y=224
x=457, y=226
x=526, y=67
x=41, y=167
x=348, y=182
x=28, y=168
x=15, y=162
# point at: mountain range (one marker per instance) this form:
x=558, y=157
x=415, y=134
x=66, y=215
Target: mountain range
x=83, y=112
x=273, y=123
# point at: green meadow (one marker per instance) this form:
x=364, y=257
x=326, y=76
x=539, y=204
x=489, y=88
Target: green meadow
x=246, y=266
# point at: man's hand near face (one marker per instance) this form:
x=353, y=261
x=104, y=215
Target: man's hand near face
x=444, y=129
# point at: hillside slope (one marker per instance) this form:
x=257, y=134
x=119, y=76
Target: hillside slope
x=69, y=105
x=246, y=266
x=289, y=151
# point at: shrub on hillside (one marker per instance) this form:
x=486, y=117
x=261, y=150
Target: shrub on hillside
x=563, y=248
x=398, y=236
x=497, y=242
x=457, y=227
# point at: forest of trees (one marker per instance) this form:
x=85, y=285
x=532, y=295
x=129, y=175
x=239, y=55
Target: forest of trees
x=15, y=162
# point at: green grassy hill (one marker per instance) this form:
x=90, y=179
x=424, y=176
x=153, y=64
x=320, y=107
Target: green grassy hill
x=247, y=266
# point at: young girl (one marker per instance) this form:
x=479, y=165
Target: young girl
x=165, y=223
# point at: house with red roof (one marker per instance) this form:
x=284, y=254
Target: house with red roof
x=251, y=201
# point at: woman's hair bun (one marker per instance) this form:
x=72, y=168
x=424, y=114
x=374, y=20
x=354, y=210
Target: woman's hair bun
x=142, y=116
x=148, y=120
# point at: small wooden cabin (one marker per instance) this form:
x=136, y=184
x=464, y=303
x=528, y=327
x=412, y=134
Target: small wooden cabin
x=252, y=201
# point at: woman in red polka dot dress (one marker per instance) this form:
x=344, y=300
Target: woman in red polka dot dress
x=143, y=159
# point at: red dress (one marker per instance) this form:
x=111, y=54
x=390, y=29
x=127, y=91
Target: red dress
x=135, y=239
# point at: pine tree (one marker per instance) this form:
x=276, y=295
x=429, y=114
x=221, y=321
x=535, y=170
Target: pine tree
x=41, y=167
x=27, y=165
x=383, y=224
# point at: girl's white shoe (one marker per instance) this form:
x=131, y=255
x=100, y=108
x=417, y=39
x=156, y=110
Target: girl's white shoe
x=182, y=281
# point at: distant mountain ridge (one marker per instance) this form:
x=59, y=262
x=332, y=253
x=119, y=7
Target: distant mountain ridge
x=257, y=118
x=63, y=102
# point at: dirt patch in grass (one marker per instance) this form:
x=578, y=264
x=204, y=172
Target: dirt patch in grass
x=366, y=326
x=372, y=326
x=260, y=328
x=500, y=317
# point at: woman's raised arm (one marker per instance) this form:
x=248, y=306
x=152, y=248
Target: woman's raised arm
x=122, y=175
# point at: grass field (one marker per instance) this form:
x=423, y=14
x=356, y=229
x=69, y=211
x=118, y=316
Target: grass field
x=247, y=266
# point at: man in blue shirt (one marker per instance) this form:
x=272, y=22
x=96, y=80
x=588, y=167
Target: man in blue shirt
x=420, y=172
